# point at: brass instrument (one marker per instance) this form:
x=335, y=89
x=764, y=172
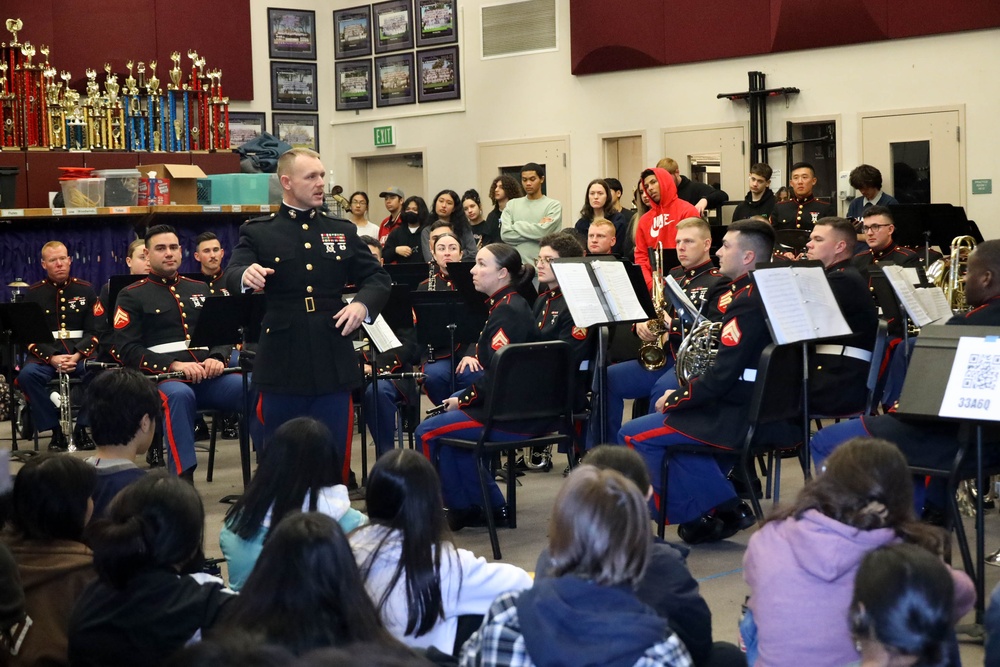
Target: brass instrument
x=651, y=353
x=62, y=401
x=949, y=273
x=697, y=351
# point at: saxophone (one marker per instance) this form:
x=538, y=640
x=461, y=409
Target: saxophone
x=651, y=353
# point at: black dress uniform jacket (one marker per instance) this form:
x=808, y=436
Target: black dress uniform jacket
x=714, y=407
x=216, y=283
x=800, y=213
x=703, y=284
x=553, y=321
x=510, y=321
x=156, y=311
x=68, y=307
x=837, y=380
x=314, y=255
x=891, y=254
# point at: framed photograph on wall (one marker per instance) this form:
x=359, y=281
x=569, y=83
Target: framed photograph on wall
x=244, y=126
x=392, y=25
x=436, y=22
x=293, y=86
x=438, y=72
x=352, y=32
x=354, y=84
x=301, y=130
x=291, y=33
x=394, y=82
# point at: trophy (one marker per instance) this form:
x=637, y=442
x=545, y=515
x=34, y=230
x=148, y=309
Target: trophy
x=114, y=114
x=173, y=137
x=53, y=105
x=6, y=109
x=155, y=105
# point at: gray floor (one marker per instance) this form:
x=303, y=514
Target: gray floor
x=718, y=567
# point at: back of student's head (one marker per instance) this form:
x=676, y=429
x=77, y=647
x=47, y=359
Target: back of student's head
x=299, y=460
x=376, y=655
x=232, y=648
x=903, y=599
x=866, y=483
x=305, y=590
x=599, y=528
x=155, y=523
x=117, y=400
x=51, y=497
x=404, y=494
x=620, y=459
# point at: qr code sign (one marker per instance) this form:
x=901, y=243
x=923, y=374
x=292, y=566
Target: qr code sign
x=982, y=372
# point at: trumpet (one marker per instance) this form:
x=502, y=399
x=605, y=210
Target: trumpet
x=651, y=353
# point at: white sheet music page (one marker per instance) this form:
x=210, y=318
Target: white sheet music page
x=935, y=303
x=784, y=304
x=618, y=291
x=580, y=293
x=974, y=383
x=901, y=285
x=679, y=296
x=379, y=331
x=821, y=304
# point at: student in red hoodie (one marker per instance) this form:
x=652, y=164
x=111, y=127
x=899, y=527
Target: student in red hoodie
x=659, y=224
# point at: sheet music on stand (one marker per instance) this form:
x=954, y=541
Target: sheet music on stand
x=683, y=305
x=800, y=304
x=379, y=331
x=598, y=291
x=924, y=305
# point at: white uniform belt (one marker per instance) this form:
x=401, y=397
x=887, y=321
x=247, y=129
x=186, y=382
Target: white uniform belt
x=176, y=346
x=845, y=351
x=63, y=334
x=749, y=375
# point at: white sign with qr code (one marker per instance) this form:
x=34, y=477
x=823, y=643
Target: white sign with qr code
x=974, y=384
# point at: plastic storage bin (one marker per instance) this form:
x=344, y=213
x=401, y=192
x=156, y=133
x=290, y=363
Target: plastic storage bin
x=253, y=188
x=121, y=186
x=83, y=192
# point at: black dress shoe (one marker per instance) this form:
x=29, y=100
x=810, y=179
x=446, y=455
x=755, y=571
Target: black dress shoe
x=741, y=489
x=463, y=517
x=82, y=440
x=933, y=516
x=201, y=431
x=703, y=529
x=501, y=516
x=58, y=442
x=735, y=520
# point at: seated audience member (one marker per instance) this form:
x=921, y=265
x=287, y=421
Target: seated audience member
x=902, y=612
x=150, y=598
x=12, y=614
x=419, y=581
x=449, y=210
x=301, y=472
x=811, y=551
x=601, y=237
x=50, y=506
x=667, y=586
x=376, y=655
x=233, y=649
x=124, y=407
x=586, y=612
x=484, y=230
x=305, y=591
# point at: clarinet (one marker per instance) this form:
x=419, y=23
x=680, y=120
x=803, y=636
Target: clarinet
x=431, y=277
x=179, y=375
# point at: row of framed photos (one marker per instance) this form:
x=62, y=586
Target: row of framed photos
x=422, y=76
x=395, y=25
x=297, y=129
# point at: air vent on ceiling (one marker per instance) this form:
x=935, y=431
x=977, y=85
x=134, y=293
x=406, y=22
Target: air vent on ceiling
x=519, y=27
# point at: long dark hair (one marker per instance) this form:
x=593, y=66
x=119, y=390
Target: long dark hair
x=511, y=188
x=421, y=208
x=154, y=523
x=404, y=495
x=459, y=221
x=866, y=484
x=588, y=211
x=509, y=258
x=305, y=591
x=50, y=497
x=300, y=459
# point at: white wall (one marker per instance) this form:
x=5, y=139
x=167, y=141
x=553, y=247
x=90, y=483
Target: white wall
x=536, y=95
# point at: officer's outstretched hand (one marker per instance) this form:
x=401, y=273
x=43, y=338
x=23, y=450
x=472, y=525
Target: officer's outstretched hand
x=350, y=317
x=255, y=276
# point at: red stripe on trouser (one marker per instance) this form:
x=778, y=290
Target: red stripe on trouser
x=346, y=472
x=445, y=430
x=260, y=408
x=168, y=433
x=646, y=435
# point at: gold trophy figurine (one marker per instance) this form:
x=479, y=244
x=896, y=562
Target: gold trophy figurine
x=93, y=112
x=175, y=71
x=14, y=26
x=113, y=110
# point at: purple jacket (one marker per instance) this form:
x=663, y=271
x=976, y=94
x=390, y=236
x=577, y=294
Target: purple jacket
x=801, y=577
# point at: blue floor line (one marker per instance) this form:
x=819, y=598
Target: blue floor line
x=721, y=574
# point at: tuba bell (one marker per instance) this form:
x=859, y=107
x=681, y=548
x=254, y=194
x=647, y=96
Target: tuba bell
x=948, y=273
x=651, y=353
x=697, y=351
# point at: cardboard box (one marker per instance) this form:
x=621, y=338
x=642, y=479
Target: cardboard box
x=183, y=180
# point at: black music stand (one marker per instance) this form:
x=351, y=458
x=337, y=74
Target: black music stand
x=931, y=225
x=446, y=319
x=933, y=357
x=21, y=324
x=227, y=320
x=670, y=259
x=461, y=276
x=410, y=274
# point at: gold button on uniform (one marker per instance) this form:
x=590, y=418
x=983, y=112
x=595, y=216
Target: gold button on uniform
x=277, y=259
x=309, y=267
x=305, y=226
x=308, y=245
x=309, y=289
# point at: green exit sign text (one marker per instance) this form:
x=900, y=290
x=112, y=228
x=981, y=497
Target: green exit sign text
x=384, y=136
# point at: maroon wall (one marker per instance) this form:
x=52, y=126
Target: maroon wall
x=89, y=34
x=649, y=33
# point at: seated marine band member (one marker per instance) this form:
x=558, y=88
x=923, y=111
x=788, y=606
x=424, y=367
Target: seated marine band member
x=68, y=304
x=927, y=443
x=802, y=211
x=601, y=237
x=154, y=320
x=840, y=368
x=713, y=408
x=209, y=253
x=138, y=265
x=703, y=284
x=878, y=228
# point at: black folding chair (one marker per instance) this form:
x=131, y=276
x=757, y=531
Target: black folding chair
x=532, y=387
x=777, y=398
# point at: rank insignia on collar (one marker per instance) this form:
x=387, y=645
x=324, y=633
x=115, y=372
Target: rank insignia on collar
x=499, y=340
x=121, y=318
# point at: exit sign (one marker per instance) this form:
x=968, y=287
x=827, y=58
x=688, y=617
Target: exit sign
x=384, y=136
